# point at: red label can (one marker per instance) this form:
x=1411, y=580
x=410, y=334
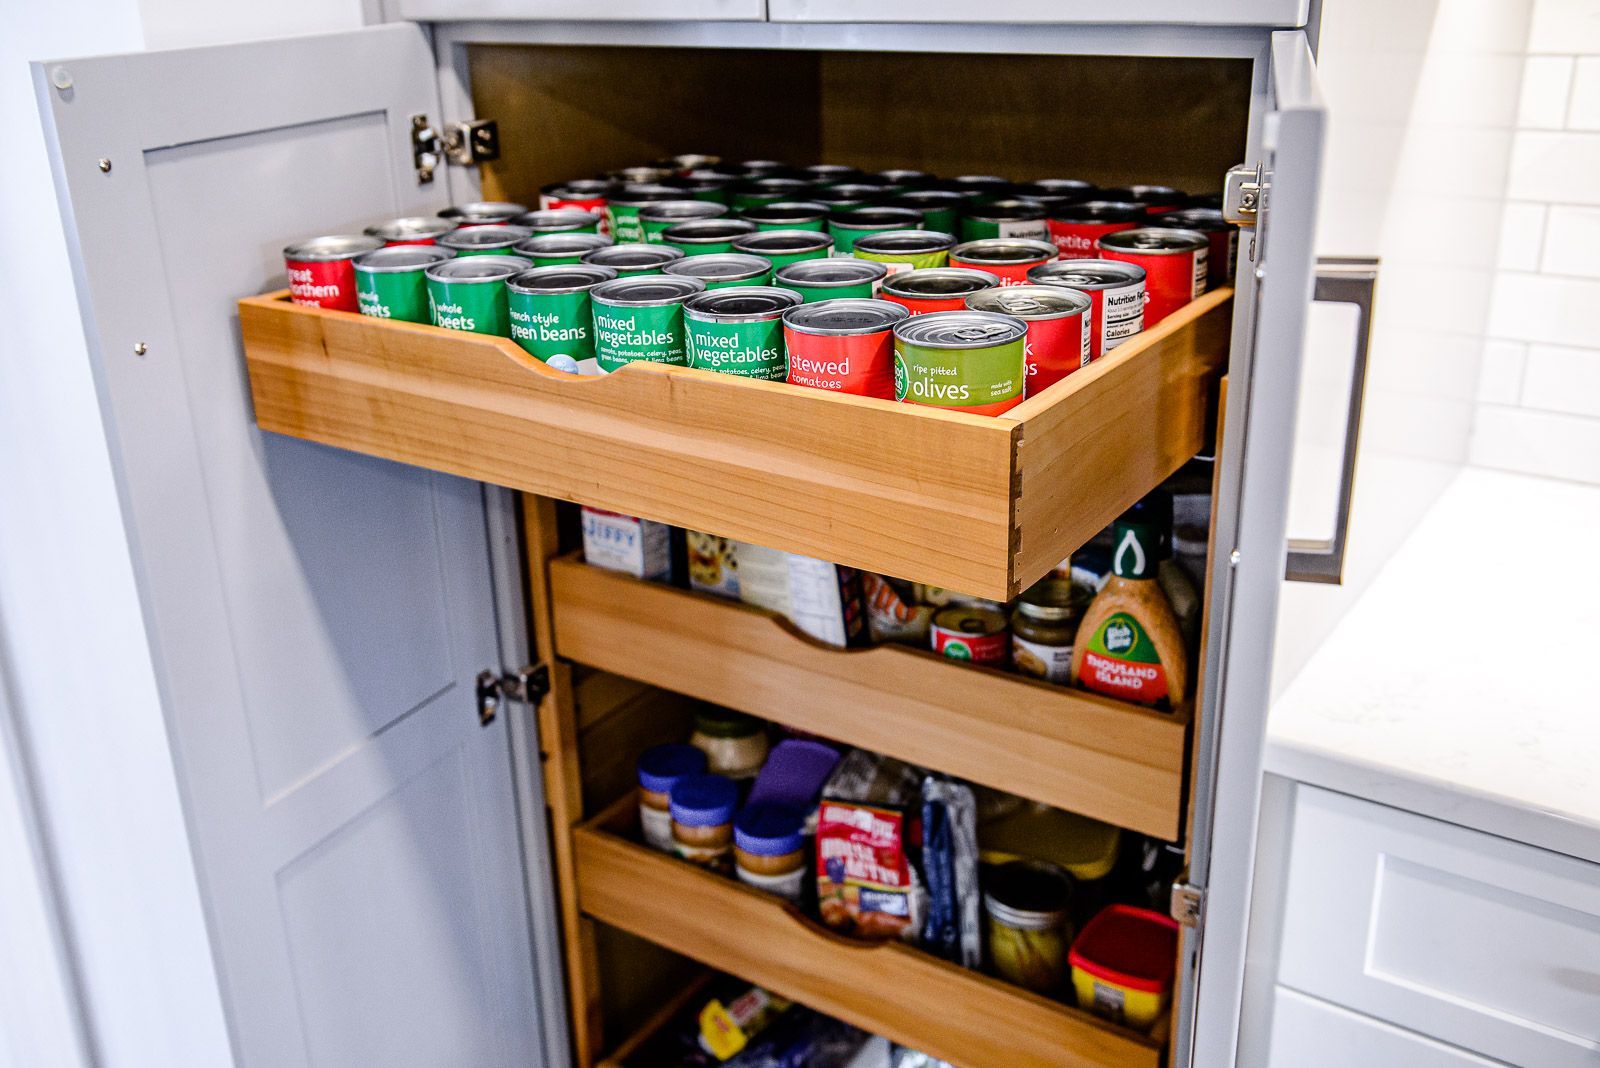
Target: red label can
x=1008, y=259
x=589, y=194
x=1116, y=297
x=1074, y=228
x=976, y=633
x=846, y=345
x=1058, y=329
x=1223, y=235
x=321, y=271
x=1174, y=261
x=932, y=289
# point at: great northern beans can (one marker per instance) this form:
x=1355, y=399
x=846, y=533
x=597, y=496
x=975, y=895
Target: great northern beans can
x=549, y=250
x=552, y=317
x=1007, y=258
x=936, y=288
x=788, y=215
x=641, y=319
x=1005, y=218
x=940, y=208
x=738, y=330
x=654, y=218
x=843, y=345
x=559, y=221
x=413, y=230
x=469, y=293
x=586, y=194
x=321, y=270
x=968, y=361
x=1115, y=291
x=1058, y=329
x=783, y=247
x=703, y=237
x=905, y=250
x=1223, y=235
x=722, y=269
x=633, y=261
x=832, y=279
x=622, y=209
x=483, y=212
x=487, y=240
x=1076, y=227
x=1174, y=262
x=848, y=225
x=391, y=283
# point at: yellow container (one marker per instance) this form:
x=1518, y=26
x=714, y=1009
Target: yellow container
x=1086, y=848
x=1123, y=963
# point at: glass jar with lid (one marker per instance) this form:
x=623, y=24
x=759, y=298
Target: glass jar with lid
x=1042, y=628
x=735, y=744
x=1026, y=903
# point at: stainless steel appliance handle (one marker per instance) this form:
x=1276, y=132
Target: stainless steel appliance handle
x=1340, y=280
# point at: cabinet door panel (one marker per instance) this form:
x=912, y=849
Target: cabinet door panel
x=1169, y=12
x=1307, y=1033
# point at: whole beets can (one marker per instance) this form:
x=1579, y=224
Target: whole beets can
x=1058, y=329
x=1223, y=235
x=391, y=282
x=967, y=361
x=1116, y=297
x=413, y=230
x=1076, y=227
x=845, y=345
x=469, y=293
x=322, y=270
x=1174, y=262
x=932, y=289
x=1007, y=258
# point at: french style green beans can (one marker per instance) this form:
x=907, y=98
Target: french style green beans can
x=552, y=316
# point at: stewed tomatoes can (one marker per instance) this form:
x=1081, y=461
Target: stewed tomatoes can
x=1076, y=227
x=969, y=361
x=1005, y=218
x=585, y=194
x=413, y=230
x=1116, y=297
x=783, y=247
x=487, y=240
x=483, y=212
x=550, y=250
x=1058, y=329
x=739, y=330
x=832, y=279
x=1007, y=258
x=1174, y=261
x=1223, y=235
x=390, y=281
x=845, y=345
x=972, y=632
x=905, y=250
x=322, y=270
x=932, y=289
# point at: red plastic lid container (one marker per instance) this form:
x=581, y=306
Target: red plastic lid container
x=1132, y=947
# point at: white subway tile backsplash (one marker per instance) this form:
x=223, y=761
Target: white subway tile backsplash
x=1565, y=26
x=1546, y=84
x=1536, y=443
x=1554, y=311
x=1572, y=242
x=1555, y=168
x=1521, y=236
x=1562, y=380
x=1500, y=374
x=1583, y=111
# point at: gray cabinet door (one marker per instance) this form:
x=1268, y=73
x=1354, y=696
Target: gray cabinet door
x=317, y=618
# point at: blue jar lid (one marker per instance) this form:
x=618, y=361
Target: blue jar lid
x=663, y=765
x=768, y=830
x=703, y=800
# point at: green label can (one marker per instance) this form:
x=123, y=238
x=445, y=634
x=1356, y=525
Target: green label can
x=552, y=316
x=631, y=261
x=559, y=221
x=783, y=247
x=905, y=250
x=1005, y=218
x=739, y=331
x=832, y=279
x=641, y=320
x=848, y=225
x=656, y=218
x=706, y=237
x=622, y=210
x=940, y=208
x=550, y=250
x=758, y=191
x=723, y=269
x=469, y=293
x=788, y=215
x=488, y=240
x=971, y=361
x=391, y=283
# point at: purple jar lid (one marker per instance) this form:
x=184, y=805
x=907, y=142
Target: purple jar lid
x=664, y=765
x=703, y=800
x=768, y=830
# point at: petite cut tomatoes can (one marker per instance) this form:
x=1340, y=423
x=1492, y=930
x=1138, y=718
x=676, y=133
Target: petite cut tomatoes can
x=1076, y=227
x=413, y=230
x=1007, y=258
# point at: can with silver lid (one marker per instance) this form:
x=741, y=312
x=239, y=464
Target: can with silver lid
x=754, y=192
x=788, y=215
x=550, y=250
x=1007, y=258
x=1154, y=198
x=585, y=194
x=1223, y=235
x=1116, y=297
x=851, y=223
x=685, y=162
x=704, y=237
x=973, y=632
x=1174, y=262
x=844, y=345
x=641, y=319
x=758, y=168
x=847, y=196
x=483, y=212
x=905, y=177
x=982, y=187
x=552, y=317
x=783, y=247
x=1053, y=193
x=1058, y=329
x=643, y=174
x=738, y=330
x=940, y=208
x=832, y=279
x=632, y=261
x=623, y=207
x=934, y=289
x=469, y=293
x=412, y=230
x=322, y=272
x=490, y=239
x=969, y=361
x=1076, y=227
x=904, y=250
x=830, y=173
x=721, y=269
x=559, y=221
x=391, y=282
x=1005, y=218
x=654, y=218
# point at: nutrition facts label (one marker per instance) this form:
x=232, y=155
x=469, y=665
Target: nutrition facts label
x=1121, y=315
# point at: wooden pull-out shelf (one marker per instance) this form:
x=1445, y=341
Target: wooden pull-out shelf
x=1113, y=761
x=891, y=989
x=979, y=504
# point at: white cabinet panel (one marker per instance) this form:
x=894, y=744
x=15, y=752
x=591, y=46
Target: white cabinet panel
x=1307, y=1033
x=1276, y=13
x=581, y=10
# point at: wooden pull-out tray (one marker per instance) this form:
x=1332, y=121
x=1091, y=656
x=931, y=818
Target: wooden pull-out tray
x=979, y=504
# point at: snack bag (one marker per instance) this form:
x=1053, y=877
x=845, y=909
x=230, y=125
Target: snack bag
x=867, y=883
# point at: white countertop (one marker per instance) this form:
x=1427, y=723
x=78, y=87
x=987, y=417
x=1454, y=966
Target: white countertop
x=1464, y=684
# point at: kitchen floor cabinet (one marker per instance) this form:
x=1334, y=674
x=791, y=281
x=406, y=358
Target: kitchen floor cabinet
x=394, y=822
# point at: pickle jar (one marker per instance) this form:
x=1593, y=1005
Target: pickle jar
x=1043, y=625
x=660, y=767
x=735, y=744
x=1025, y=905
x=769, y=849
x=702, y=807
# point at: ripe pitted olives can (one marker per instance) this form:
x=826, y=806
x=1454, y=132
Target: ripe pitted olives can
x=738, y=330
x=413, y=230
x=1005, y=218
x=848, y=225
x=585, y=194
x=483, y=212
x=722, y=269
x=1223, y=235
x=783, y=247
x=1174, y=262
x=1058, y=329
x=487, y=240
x=391, y=282
x=552, y=317
x=632, y=261
x=559, y=221
x=1116, y=295
x=905, y=250
x=758, y=191
x=936, y=288
x=1076, y=227
x=1155, y=198
x=469, y=293
x=967, y=361
x=971, y=632
x=654, y=218
x=641, y=320
x=832, y=279
x=702, y=237
x=788, y=215
x=623, y=207
x=1007, y=258
x=322, y=272
x=940, y=208
x=549, y=250
x=844, y=345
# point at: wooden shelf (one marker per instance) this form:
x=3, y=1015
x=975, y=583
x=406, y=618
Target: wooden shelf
x=890, y=989
x=1102, y=758
x=979, y=504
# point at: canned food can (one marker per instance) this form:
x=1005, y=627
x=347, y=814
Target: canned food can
x=738, y=330
x=623, y=207
x=559, y=221
x=412, y=230
x=552, y=317
x=1116, y=297
x=905, y=250
x=494, y=239
x=721, y=269
x=766, y=190
x=685, y=163
x=643, y=174
x=585, y=194
x=1223, y=252
x=322, y=272
x=940, y=208
x=830, y=173
x=702, y=237
x=632, y=261
x=982, y=187
x=849, y=195
x=976, y=633
x=1076, y=227
x=550, y=250
x=788, y=215
x=1056, y=190
x=1154, y=198
x=968, y=361
x=1174, y=263
x=844, y=345
x=832, y=279
x=1007, y=258
x=759, y=168
x=1005, y=218
x=852, y=223
x=641, y=320
x=906, y=178
x=708, y=190
x=936, y=288
x=391, y=282
x=783, y=247
x=483, y=212
x=655, y=218
x=469, y=293
x=1058, y=329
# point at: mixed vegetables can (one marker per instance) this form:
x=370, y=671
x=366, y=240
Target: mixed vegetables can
x=641, y=319
x=738, y=331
